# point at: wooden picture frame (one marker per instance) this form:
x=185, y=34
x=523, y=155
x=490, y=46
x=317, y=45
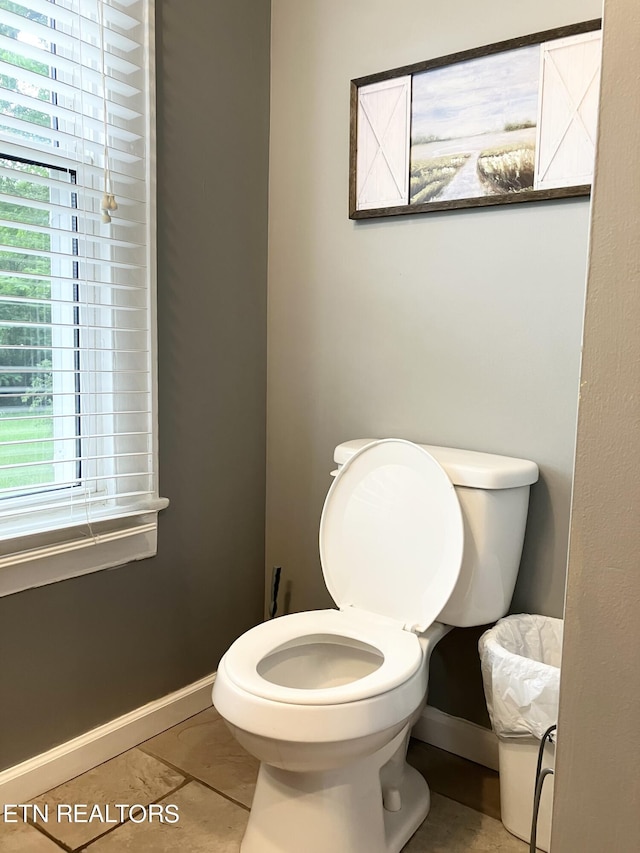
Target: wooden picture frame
x=505, y=123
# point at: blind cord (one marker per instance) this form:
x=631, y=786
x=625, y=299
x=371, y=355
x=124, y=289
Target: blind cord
x=109, y=202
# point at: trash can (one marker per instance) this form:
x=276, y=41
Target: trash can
x=520, y=659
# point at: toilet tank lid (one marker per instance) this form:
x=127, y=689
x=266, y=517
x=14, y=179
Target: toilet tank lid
x=464, y=467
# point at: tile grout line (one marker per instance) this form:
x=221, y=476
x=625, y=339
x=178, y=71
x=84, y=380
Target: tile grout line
x=60, y=844
x=112, y=829
x=196, y=779
x=222, y=794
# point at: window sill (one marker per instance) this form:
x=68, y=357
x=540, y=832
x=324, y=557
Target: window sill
x=54, y=556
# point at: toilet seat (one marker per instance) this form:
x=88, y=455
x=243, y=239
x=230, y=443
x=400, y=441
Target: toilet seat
x=400, y=652
x=391, y=542
x=391, y=534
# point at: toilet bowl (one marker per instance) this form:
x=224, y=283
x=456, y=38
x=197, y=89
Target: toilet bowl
x=324, y=688
x=326, y=699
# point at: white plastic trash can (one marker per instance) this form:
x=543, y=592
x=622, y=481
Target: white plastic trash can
x=518, y=759
x=520, y=658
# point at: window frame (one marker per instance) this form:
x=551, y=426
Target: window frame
x=35, y=557
x=65, y=352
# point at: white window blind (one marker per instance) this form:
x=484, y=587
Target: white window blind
x=77, y=292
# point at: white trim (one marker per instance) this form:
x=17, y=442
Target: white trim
x=152, y=218
x=40, y=560
x=461, y=737
x=22, y=783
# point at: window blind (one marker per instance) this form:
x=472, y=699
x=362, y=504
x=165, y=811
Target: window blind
x=77, y=312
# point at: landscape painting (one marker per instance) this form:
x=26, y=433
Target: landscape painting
x=474, y=127
x=515, y=121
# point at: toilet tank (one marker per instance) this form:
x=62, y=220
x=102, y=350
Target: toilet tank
x=493, y=492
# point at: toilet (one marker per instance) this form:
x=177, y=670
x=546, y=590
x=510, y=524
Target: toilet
x=414, y=540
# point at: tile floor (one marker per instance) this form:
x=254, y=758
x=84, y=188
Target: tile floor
x=198, y=767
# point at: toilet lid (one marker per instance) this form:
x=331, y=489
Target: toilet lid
x=391, y=534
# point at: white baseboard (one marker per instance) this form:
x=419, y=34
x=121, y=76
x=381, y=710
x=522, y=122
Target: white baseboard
x=39, y=774
x=22, y=783
x=458, y=736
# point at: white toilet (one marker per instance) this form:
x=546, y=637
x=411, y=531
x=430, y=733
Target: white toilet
x=414, y=539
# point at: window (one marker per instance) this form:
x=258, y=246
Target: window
x=78, y=455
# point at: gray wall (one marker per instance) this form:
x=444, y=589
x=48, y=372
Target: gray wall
x=79, y=653
x=459, y=328
x=597, y=790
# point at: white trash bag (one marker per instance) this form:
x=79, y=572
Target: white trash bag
x=520, y=659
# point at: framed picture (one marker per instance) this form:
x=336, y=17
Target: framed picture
x=509, y=122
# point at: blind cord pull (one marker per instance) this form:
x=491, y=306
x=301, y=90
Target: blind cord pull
x=109, y=202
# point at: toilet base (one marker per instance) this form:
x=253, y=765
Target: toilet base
x=339, y=810
x=416, y=802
